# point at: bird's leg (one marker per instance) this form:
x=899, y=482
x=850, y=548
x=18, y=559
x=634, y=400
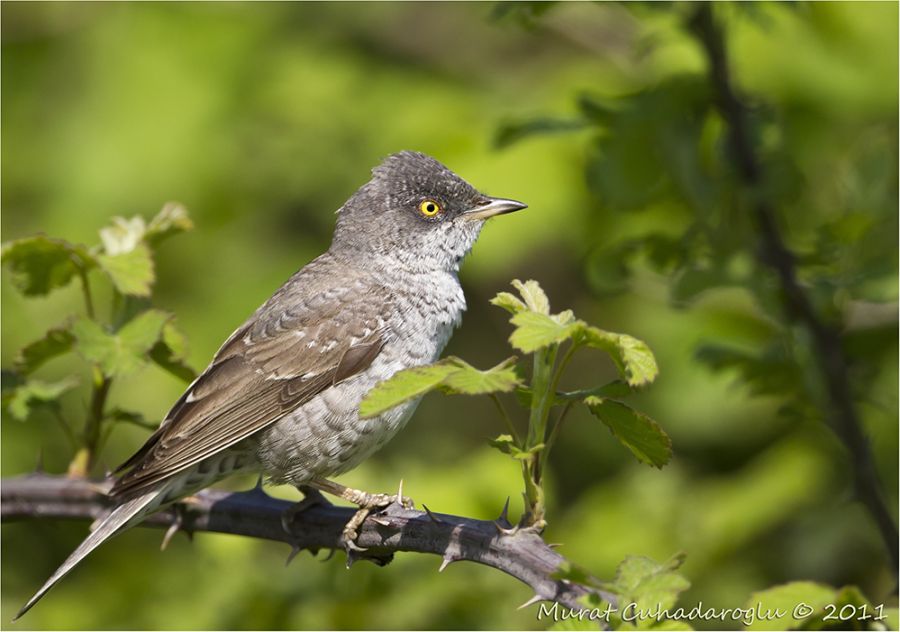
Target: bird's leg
x=312, y=497
x=366, y=502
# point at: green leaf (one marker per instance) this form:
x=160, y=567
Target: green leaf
x=468, y=380
x=171, y=220
x=533, y=295
x=451, y=374
x=634, y=430
x=633, y=357
x=131, y=271
x=535, y=330
x=612, y=389
x=22, y=399
x=507, y=445
x=55, y=342
x=650, y=586
x=125, y=351
x=170, y=353
x=404, y=385
x=786, y=599
x=514, y=131
x=508, y=302
x=131, y=417
x=40, y=264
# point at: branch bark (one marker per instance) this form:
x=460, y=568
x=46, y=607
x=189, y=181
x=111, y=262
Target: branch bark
x=521, y=553
x=773, y=252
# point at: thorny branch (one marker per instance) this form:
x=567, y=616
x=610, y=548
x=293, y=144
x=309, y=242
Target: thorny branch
x=775, y=254
x=521, y=553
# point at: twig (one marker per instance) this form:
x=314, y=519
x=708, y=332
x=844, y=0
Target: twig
x=774, y=253
x=521, y=553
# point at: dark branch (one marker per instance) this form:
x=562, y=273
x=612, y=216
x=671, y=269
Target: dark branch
x=774, y=253
x=520, y=553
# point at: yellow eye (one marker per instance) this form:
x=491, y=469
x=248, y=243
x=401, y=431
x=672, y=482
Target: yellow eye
x=429, y=208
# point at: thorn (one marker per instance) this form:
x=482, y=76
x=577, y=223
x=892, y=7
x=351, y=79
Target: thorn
x=504, y=514
x=400, y=492
x=536, y=598
x=330, y=555
x=431, y=516
x=554, y=545
x=295, y=550
x=504, y=530
x=381, y=521
x=39, y=462
x=313, y=551
x=106, y=471
x=445, y=563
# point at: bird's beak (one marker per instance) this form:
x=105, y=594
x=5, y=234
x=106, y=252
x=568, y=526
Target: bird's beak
x=489, y=207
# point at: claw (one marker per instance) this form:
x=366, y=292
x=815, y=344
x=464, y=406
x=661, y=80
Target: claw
x=176, y=526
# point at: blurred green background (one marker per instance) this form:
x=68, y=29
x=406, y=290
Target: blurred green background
x=262, y=119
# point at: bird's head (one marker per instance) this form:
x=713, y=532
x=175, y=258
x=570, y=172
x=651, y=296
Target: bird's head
x=416, y=213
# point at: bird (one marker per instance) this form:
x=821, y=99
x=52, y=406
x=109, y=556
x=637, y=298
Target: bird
x=281, y=397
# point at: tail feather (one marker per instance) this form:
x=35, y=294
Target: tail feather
x=122, y=516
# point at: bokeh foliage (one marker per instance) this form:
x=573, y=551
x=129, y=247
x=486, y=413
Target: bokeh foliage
x=262, y=119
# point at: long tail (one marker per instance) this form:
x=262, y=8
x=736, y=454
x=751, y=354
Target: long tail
x=120, y=517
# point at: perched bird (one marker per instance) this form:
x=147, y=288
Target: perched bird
x=281, y=396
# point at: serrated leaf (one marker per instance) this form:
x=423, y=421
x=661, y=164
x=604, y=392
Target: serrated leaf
x=467, y=380
x=632, y=357
x=508, y=302
x=131, y=417
x=55, y=342
x=785, y=599
x=40, y=264
x=507, y=445
x=636, y=431
x=122, y=352
x=535, y=331
x=123, y=236
x=130, y=271
x=612, y=389
x=451, y=374
x=533, y=295
x=404, y=385
x=504, y=443
x=648, y=584
x=171, y=220
x=21, y=400
x=170, y=352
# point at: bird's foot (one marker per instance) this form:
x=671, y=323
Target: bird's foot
x=367, y=503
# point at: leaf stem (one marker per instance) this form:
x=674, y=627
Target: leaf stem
x=86, y=292
x=67, y=430
x=554, y=431
x=506, y=418
x=84, y=460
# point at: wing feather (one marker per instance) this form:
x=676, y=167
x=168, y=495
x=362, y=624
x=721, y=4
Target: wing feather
x=271, y=365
